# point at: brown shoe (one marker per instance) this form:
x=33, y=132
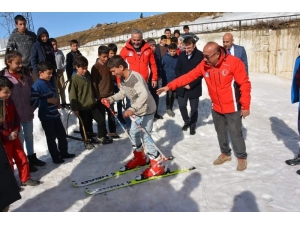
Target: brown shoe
x=221, y=159
x=242, y=164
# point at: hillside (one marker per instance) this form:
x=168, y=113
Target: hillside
x=145, y=24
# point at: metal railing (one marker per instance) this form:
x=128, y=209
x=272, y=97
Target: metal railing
x=198, y=28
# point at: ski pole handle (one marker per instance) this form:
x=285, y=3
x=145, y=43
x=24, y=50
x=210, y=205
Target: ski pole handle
x=105, y=102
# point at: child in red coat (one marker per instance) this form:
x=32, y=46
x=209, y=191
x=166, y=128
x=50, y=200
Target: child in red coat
x=9, y=129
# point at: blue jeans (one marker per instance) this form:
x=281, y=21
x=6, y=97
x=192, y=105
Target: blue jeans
x=26, y=133
x=147, y=123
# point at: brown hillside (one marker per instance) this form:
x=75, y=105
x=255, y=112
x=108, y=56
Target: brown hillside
x=145, y=24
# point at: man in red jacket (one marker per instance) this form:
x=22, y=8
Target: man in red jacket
x=229, y=89
x=140, y=58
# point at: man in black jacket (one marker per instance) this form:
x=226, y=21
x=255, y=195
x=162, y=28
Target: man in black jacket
x=188, y=60
x=22, y=40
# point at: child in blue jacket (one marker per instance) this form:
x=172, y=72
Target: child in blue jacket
x=169, y=61
x=43, y=97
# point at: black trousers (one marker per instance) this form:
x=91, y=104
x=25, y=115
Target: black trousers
x=153, y=93
x=110, y=118
x=232, y=121
x=87, y=117
x=170, y=98
x=194, y=103
x=54, y=129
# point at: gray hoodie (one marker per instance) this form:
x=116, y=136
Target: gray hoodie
x=22, y=43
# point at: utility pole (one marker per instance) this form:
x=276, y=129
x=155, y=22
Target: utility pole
x=7, y=22
x=29, y=20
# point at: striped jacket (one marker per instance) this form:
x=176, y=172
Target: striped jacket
x=41, y=90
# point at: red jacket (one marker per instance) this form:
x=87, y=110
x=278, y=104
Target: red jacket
x=143, y=64
x=228, y=84
x=11, y=121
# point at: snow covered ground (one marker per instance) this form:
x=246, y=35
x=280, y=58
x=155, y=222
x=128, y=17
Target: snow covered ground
x=267, y=185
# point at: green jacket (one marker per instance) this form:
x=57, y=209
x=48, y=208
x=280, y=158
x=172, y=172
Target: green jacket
x=81, y=94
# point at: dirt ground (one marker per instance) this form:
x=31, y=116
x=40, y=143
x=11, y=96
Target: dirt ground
x=145, y=24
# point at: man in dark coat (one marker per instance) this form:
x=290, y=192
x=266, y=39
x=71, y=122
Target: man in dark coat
x=188, y=60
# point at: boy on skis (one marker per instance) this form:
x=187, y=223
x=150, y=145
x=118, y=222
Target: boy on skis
x=143, y=107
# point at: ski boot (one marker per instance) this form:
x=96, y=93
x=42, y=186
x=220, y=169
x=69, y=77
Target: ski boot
x=156, y=168
x=139, y=159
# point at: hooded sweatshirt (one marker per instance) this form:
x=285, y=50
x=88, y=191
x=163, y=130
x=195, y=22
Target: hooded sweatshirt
x=43, y=51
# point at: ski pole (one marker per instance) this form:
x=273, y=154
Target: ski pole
x=112, y=112
x=151, y=140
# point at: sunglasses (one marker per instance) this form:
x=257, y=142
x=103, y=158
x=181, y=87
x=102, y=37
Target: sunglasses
x=209, y=57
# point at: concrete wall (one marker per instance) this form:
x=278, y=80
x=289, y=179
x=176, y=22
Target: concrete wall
x=268, y=51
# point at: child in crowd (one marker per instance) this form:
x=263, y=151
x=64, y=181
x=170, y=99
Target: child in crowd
x=43, y=97
x=22, y=80
x=113, y=48
x=187, y=33
x=112, y=52
x=102, y=81
x=9, y=129
x=83, y=103
x=42, y=50
x=21, y=39
x=180, y=39
x=168, y=62
x=60, y=64
x=168, y=35
x=70, y=59
x=153, y=90
x=176, y=33
x=174, y=40
x=142, y=108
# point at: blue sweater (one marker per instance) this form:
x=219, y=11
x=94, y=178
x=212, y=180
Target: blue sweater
x=168, y=65
x=41, y=90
